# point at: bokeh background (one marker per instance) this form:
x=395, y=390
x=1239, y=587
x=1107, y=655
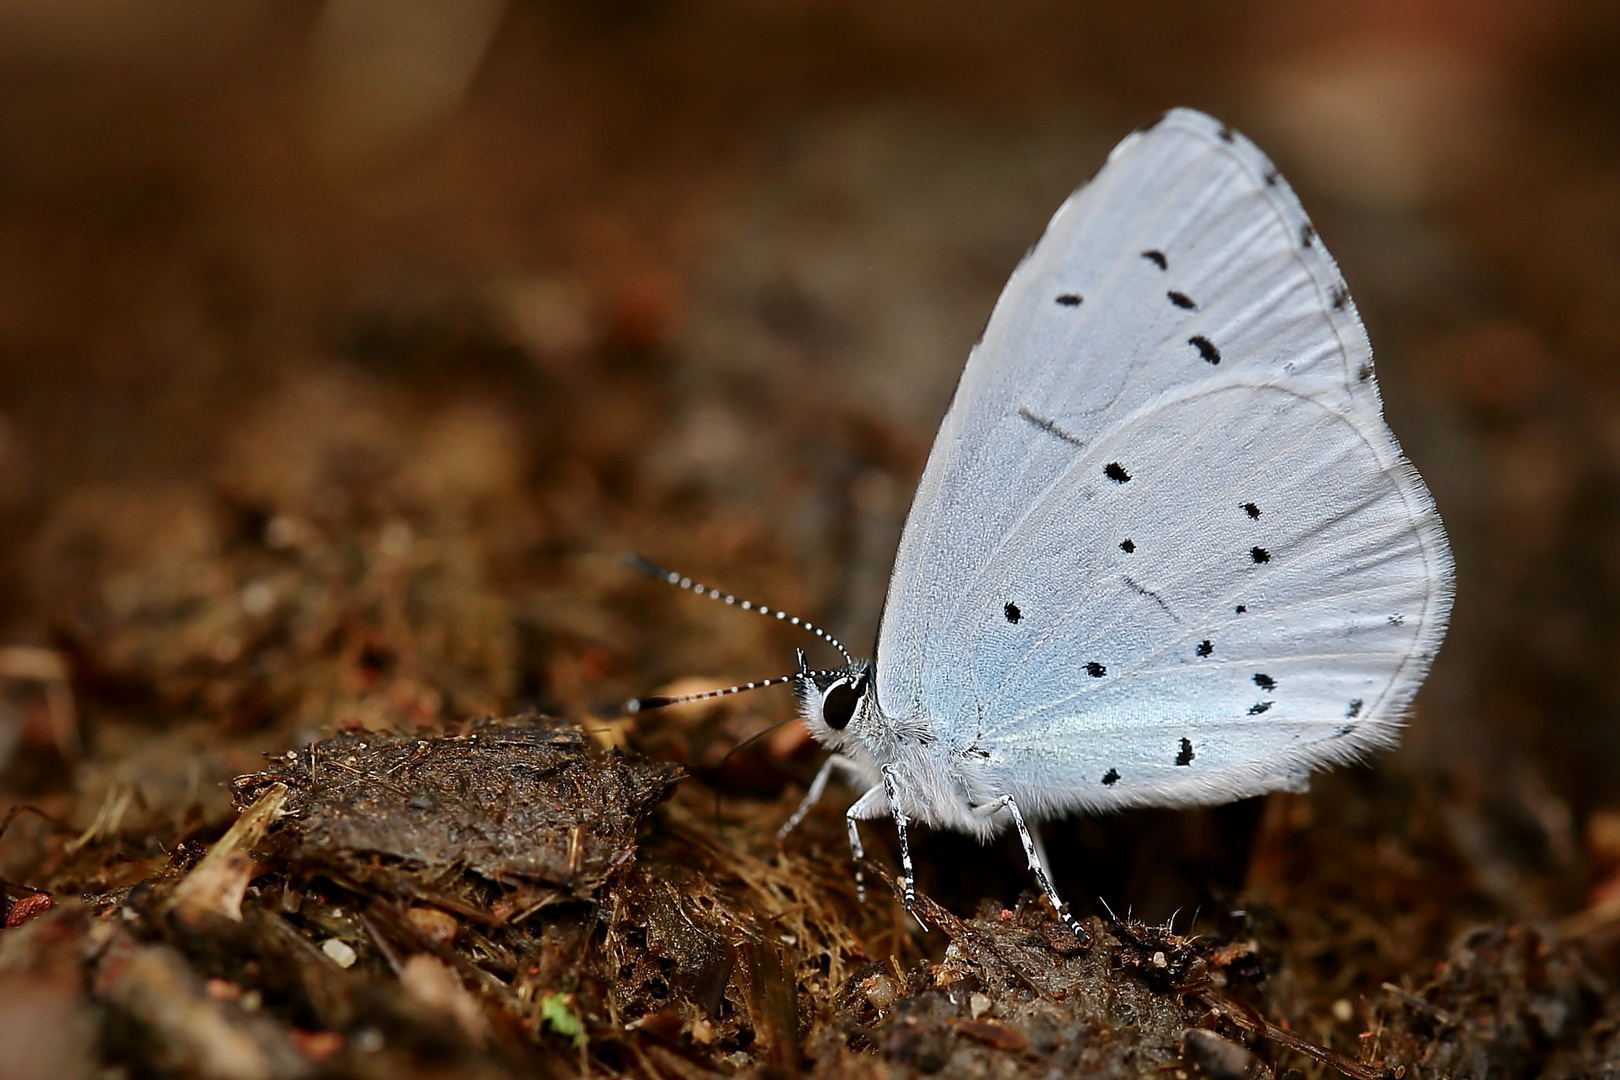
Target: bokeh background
x=345, y=347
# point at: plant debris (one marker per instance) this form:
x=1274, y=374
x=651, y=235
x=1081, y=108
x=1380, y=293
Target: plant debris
x=494, y=897
x=523, y=804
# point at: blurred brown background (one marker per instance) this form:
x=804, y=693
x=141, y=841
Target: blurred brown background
x=345, y=346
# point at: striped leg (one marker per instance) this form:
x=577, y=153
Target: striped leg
x=1037, y=861
x=867, y=806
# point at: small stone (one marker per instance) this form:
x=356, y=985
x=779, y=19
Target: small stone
x=978, y=1004
x=438, y=927
x=881, y=991
x=340, y=952
x=26, y=908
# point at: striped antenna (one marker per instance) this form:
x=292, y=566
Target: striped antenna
x=642, y=704
x=636, y=705
x=652, y=569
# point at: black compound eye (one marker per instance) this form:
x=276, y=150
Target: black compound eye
x=838, y=703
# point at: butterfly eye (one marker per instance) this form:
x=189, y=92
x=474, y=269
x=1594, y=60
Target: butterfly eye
x=838, y=703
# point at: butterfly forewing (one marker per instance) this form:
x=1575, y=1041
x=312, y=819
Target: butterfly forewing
x=1167, y=456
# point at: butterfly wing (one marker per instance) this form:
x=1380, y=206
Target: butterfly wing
x=1165, y=549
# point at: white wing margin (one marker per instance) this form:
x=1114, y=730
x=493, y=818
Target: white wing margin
x=1165, y=549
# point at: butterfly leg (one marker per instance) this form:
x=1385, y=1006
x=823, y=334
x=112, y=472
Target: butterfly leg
x=1040, y=844
x=864, y=807
x=818, y=787
x=1033, y=851
x=901, y=821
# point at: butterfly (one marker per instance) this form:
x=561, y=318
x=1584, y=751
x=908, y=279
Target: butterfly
x=1165, y=550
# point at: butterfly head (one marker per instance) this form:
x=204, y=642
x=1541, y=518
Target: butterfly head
x=834, y=701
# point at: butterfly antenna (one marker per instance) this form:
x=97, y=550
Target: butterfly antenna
x=636, y=705
x=680, y=581
x=644, y=704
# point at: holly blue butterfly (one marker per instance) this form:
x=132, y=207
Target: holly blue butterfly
x=1165, y=551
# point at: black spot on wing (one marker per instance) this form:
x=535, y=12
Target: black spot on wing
x=1259, y=707
x=1186, y=756
x=1226, y=134
x=1354, y=710
x=1206, y=348
x=1264, y=682
x=1181, y=300
x=1307, y=234
x=1096, y=670
x=1205, y=647
x=1116, y=472
x=1364, y=373
x=1252, y=510
x=1127, y=546
x=1339, y=296
x=1070, y=299
x=1157, y=258
x=1260, y=555
x=1271, y=178
x=1110, y=778
x=1241, y=608
x=1012, y=612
